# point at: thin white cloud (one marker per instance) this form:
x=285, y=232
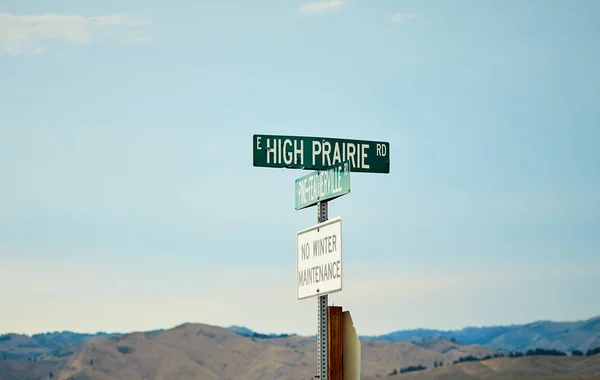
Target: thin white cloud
x=30, y=34
x=401, y=17
x=321, y=6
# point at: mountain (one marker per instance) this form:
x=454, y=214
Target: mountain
x=26, y=370
x=191, y=351
x=532, y=367
x=563, y=336
x=196, y=351
x=35, y=357
x=57, y=344
x=380, y=358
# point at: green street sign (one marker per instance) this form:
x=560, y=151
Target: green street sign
x=323, y=185
x=320, y=153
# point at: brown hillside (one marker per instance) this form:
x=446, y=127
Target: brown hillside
x=381, y=358
x=24, y=369
x=20, y=345
x=531, y=367
x=195, y=351
x=456, y=350
x=190, y=351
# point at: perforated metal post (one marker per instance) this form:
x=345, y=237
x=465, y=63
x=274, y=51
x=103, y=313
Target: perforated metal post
x=322, y=315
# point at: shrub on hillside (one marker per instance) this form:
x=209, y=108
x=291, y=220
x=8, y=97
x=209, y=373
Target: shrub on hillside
x=576, y=353
x=471, y=358
x=412, y=368
x=465, y=359
x=542, y=351
x=592, y=352
x=62, y=353
x=125, y=350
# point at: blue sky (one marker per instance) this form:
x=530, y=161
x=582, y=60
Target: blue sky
x=129, y=202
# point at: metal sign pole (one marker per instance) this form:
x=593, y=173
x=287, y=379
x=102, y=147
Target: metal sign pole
x=322, y=315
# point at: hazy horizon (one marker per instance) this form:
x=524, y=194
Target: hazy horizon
x=293, y=332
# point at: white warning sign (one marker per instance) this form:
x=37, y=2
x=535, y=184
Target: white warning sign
x=319, y=259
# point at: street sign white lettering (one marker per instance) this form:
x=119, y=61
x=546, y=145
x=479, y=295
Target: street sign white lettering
x=287, y=151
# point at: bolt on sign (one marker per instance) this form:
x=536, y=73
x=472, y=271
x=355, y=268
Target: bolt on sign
x=323, y=185
x=320, y=153
x=319, y=259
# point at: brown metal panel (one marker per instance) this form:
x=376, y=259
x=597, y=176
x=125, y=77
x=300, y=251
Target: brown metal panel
x=335, y=338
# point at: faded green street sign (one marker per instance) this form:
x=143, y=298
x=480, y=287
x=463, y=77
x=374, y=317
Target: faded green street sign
x=323, y=185
x=320, y=153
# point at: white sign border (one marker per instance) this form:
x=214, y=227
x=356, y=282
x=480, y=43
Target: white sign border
x=337, y=219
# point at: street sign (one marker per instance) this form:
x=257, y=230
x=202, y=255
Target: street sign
x=323, y=185
x=320, y=153
x=319, y=259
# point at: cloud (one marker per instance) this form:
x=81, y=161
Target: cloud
x=20, y=35
x=401, y=17
x=321, y=6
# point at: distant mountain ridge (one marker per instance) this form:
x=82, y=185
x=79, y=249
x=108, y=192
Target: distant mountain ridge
x=56, y=344
x=196, y=351
x=562, y=336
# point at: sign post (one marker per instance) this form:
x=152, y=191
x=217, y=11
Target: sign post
x=319, y=273
x=322, y=366
x=319, y=254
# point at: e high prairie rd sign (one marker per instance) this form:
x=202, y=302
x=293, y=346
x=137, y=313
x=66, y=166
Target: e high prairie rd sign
x=319, y=259
x=320, y=153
